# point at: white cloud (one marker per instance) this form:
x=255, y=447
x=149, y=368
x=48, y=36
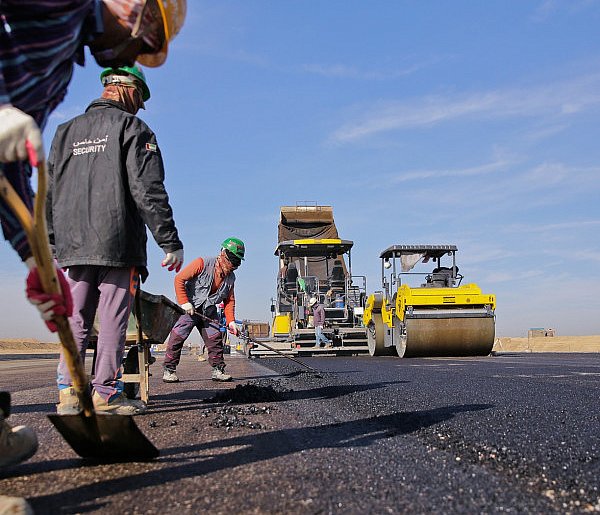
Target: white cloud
x=550, y=174
x=554, y=101
x=512, y=276
x=484, y=169
x=547, y=8
x=585, y=255
x=545, y=132
x=343, y=71
x=541, y=228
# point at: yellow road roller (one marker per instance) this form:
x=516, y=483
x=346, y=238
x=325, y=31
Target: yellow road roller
x=440, y=317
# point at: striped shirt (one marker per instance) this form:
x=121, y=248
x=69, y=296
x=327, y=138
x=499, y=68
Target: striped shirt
x=39, y=42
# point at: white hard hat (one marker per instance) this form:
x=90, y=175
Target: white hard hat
x=312, y=301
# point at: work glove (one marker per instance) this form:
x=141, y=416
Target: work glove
x=16, y=130
x=188, y=308
x=49, y=305
x=233, y=328
x=173, y=260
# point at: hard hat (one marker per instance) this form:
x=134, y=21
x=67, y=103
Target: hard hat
x=134, y=71
x=172, y=13
x=235, y=246
x=312, y=301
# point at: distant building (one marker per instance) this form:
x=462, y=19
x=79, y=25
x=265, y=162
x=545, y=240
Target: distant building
x=539, y=332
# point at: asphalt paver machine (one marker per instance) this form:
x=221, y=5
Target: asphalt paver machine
x=439, y=317
x=315, y=262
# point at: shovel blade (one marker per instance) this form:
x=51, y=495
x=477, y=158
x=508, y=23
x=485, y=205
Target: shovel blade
x=106, y=438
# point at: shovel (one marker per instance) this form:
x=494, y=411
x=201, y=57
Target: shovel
x=215, y=325
x=102, y=438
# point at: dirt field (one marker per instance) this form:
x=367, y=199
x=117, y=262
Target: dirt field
x=503, y=344
x=27, y=346
x=549, y=344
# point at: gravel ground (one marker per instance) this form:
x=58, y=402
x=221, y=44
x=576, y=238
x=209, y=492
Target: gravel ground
x=512, y=433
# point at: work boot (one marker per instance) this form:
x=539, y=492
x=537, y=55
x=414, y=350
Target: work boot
x=14, y=506
x=218, y=374
x=17, y=444
x=119, y=405
x=68, y=402
x=169, y=376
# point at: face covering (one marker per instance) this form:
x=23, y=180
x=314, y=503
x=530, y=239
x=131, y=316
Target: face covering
x=129, y=96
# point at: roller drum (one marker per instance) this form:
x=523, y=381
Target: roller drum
x=377, y=302
x=375, y=337
x=449, y=337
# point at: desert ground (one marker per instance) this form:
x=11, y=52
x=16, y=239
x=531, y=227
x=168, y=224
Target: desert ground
x=502, y=344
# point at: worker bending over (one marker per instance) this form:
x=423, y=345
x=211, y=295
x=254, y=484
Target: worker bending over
x=199, y=288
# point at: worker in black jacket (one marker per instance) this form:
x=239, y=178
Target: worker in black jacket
x=106, y=186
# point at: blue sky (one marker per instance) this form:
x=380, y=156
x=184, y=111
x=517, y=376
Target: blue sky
x=420, y=122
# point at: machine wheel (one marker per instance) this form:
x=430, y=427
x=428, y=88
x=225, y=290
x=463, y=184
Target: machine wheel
x=375, y=338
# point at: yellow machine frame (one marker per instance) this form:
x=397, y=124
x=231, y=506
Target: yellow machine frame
x=431, y=319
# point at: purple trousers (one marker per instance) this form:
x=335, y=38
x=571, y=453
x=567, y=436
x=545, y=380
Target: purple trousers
x=109, y=293
x=213, y=339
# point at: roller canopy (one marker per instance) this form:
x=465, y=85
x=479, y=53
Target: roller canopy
x=430, y=251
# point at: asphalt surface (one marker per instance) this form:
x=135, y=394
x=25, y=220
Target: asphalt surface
x=514, y=433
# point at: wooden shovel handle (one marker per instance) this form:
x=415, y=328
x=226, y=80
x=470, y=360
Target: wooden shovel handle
x=37, y=235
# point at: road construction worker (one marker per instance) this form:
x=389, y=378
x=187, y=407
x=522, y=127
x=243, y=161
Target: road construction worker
x=319, y=321
x=39, y=43
x=199, y=288
x=106, y=185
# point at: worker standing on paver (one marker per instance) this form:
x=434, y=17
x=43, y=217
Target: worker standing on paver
x=39, y=43
x=106, y=185
x=319, y=322
x=199, y=288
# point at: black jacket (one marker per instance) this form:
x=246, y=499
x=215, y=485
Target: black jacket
x=106, y=185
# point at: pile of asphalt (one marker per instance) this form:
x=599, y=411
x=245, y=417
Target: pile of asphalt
x=231, y=417
x=234, y=414
x=264, y=390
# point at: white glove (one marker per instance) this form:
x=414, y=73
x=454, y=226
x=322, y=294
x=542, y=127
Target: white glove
x=188, y=308
x=173, y=260
x=16, y=129
x=233, y=328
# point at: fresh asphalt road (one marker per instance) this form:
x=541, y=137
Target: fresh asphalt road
x=513, y=433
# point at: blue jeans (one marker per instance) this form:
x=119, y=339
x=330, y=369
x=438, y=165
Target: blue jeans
x=320, y=337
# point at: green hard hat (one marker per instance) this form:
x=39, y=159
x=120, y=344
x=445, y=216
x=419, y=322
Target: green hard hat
x=235, y=246
x=136, y=71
